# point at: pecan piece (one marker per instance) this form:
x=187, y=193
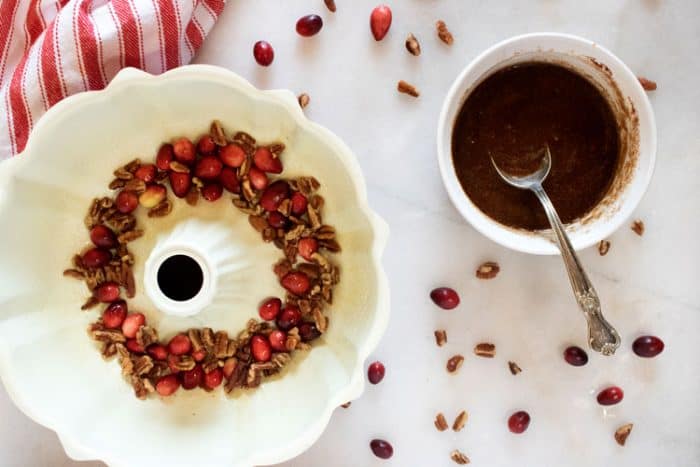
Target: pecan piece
x=304, y=100
x=459, y=458
x=407, y=88
x=440, y=422
x=146, y=336
x=162, y=209
x=622, y=433
x=443, y=33
x=330, y=4
x=488, y=270
x=142, y=365
x=460, y=421
x=638, y=227
x=603, y=247
x=74, y=273
x=216, y=131
x=514, y=368
x=454, y=363
x=179, y=167
x=412, y=45
x=346, y=405
x=440, y=337
x=90, y=303
x=485, y=349
x=130, y=236
x=647, y=84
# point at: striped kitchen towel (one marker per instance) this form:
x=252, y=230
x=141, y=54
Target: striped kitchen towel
x=50, y=49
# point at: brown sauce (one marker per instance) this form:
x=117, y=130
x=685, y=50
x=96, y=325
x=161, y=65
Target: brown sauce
x=511, y=116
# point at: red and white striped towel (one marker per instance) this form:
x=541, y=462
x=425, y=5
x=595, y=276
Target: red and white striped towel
x=50, y=49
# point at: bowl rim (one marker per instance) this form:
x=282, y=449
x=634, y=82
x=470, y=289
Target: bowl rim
x=380, y=229
x=523, y=241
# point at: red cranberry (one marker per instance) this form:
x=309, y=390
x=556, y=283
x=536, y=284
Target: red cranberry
x=270, y=308
x=278, y=340
x=229, y=180
x=180, y=345
x=180, y=183
x=232, y=155
x=263, y=53
x=183, y=150
x=167, y=385
x=260, y=348
x=132, y=324
x=518, y=422
x=103, y=237
x=192, y=378
x=309, y=25
x=164, y=157
x=445, y=297
x=212, y=191
x=213, y=378
x=375, y=372
x=157, y=351
x=308, y=332
x=296, y=282
x=107, y=292
x=134, y=346
x=147, y=173
x=96, y=258
x=648, y=346
x=258, y=178
x=206, y=145
x=575, y=356
x=307, y=247
x=273, y=195
x=298, y=204
x=382, y=449
x=277, y=220
x=289, y=317
x=380, y=21
x=208, y=168
x=199, y=355
x=126, y=201
x=114, y=314
x=610, y=396
x=266, y=161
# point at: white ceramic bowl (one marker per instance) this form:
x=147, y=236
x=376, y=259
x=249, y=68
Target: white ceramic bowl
x=629, y=101
x=55, y=373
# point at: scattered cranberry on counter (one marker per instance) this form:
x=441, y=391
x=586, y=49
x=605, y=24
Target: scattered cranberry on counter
x=309, y=25
x=263, y=53
x=648, y=346
x=375, y=372
x=380, y=21
x=575, y=356
x=445, y=297
x=610, y=396
x=382, y=449
x=518, y=422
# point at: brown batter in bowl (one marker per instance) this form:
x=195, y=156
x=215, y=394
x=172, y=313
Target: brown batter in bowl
x=510, y=116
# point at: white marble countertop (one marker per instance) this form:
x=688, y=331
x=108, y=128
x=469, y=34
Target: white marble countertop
x=647, y=284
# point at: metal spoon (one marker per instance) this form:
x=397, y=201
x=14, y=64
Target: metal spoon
x=602, y=337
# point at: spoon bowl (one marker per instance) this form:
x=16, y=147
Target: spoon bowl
x=527, y=181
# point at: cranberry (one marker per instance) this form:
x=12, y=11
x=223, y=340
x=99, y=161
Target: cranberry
x=180, y=345
x=192, y=378
x=270, y=308
x=277, y=220
x=206, y=145
x=263, y=53
x=183, y=150
x=648, y=346
x=180, y=183
x=307, y=247
x=96, y=258
x=232, y=155
x=266, y=161
x=296, y=282
x=103, y=237
x=147, y=173
x=382, y=449
x=107, y=292
x=167, y=385
x=518, y=422
x=380, y=21
x=375, y=372
x=308, y=332
x=229, y=180
x=157, y=351
x=309, y=25
x=278, y=340
x=199, y=355
x=273, y=195
x=212, y=191
x=575, y=356
x=288, y=318
x=299, y=203
x=153, y=195
x=610, y=395
x=132, y=324
x=258, y=178
x=164, y=157
x=260, y=348
x=126, y=201
x=213, y=378
x=134, y=346
x=114, y=314
x=208, y=168
x=445, y=297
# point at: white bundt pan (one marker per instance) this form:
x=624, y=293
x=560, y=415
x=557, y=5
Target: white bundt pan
x=55, y=373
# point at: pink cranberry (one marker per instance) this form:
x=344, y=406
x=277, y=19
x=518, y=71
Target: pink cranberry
x=180, y=345
x=277, y=220
x=167, y=385
x=307, y=247
x=288, y=318
x=266, y=161
x=308, y=332
x=258, y=178
x=382, y=449
x=575, y=356
x=132, y=324
x=375, y=372
x=232, y=155
x=103, y=237
x=192, y=378
x=380, y=22
x=107, y=292
x=278, y=340
x=610, y=395
x=212, y=191
x=96, y=258
x=208, y=168
x=648, y=346
x=157, y=351
x=147, y=173
x=184, y=151
x=114, y=314
x=126, y=201
x=206, y=145
x=260, y=348
x=445, y=297
x=309, y=25
x=518, y=422
x=213, y=378
x=270, y=308
x=263, y=53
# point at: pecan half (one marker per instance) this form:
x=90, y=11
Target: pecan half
x=460, y=421
x=454, y=363
x=514, y=368
x=638, y=227
x=485, y=349
x=407, y=88
x=459, y=458
x=488, y=270
x=440, y=337
x=412, y=45
x=443, y=33
x=440, y=422
x=622, y=433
